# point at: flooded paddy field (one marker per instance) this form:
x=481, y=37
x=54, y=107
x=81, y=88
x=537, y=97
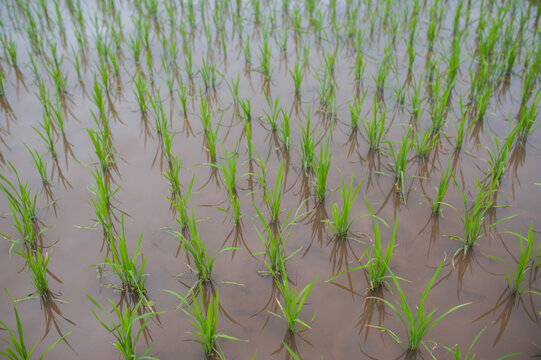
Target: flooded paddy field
x=308, y=171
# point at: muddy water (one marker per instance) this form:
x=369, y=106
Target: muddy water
x=346, y=313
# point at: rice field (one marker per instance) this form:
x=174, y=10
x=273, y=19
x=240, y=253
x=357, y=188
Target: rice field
x=294, y=179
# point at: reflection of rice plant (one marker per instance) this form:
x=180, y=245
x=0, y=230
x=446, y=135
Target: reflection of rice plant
x=340, y=222
x=416, y=321
x=16, y=348
x=123, y=328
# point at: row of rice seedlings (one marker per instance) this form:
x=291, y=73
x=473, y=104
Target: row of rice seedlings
x=23, y=205
x=123, y=327
x=415, y=320
x=16, y=347
x=340, y=222
x=204, y=317
x=293, y=303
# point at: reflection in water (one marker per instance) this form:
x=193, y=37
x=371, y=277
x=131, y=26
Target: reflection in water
x=502, y=310
x=51, y=311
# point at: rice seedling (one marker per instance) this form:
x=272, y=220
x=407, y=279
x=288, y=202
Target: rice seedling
x=307, y=145
x=416, y=321
x=36, y=266
x=297, y=74
x=246, y=107
x=204, y=317
x=359, y=56
x=273, y=197
x=340, y=222
x=100, y=196
x=131, y=275
x=2, y=88
x=265, y=61
x=285, y=129
x=141, y=92
x=457, y=352
x=474, y=219
x=16, y=348
x=515, y=277
x=275, y=238
x=462, y=128
x=11, y=47
x=195, y=246
x=528, y=115
x=441, y=190
x=439, y=105
x=211, y=137
x=376, y=129
x=293, y=303
x=322, y=165
x=23, y=205
x=208, y=74
x=274, y=112
x=102, y=148
x=46, y=132
x=123, y=327
x=171, y=174
x=183, y=96
x=180, y=203
x=498, y=157
x=424, y=142
x=400, y=160
x=234, y=208
x=40, y=163
x=383, y=71
x=355, y=112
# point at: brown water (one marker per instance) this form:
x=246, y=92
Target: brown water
x=343, y=307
